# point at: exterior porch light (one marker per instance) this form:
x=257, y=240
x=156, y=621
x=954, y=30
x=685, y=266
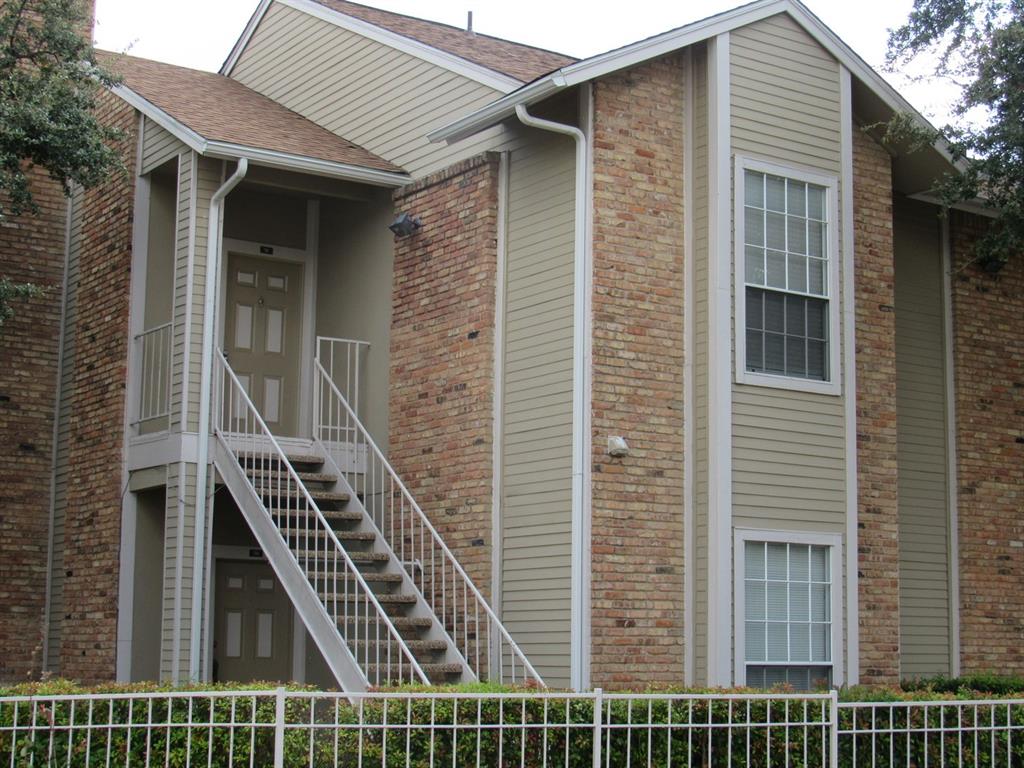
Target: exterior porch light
x=405, y=225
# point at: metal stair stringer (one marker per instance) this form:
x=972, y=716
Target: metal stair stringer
x=311, y=611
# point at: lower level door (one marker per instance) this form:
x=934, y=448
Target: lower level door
x=253, y=624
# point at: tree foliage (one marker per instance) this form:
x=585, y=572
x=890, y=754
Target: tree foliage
x=980, y=45
x=49, y=85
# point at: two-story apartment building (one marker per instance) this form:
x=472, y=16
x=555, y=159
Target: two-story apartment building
x=410, y=354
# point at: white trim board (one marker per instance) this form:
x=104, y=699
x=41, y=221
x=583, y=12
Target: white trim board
x=849, y=314
x=719, y=481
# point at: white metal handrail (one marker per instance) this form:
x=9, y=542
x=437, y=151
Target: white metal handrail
x=155, y=372
x=470, y=621
x=343, y=360
x=378, y=648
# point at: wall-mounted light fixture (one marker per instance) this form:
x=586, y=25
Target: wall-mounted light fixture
x=405, y=225
x=617, y=446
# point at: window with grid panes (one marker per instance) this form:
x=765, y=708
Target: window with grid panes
x=786, y=276
x=788, y=614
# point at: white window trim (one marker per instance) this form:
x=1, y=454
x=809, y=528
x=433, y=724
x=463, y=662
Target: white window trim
x=831, y=183
x=832, y=540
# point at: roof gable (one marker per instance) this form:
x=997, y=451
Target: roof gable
x=501, y=64
x=667, y=42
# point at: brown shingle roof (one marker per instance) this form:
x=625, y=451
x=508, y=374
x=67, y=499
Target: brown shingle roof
x=221, y=109
x=522, y=62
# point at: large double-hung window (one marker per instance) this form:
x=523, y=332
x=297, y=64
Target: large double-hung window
x=784, y=277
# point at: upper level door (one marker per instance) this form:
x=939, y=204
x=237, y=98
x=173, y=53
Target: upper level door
x=263, y=336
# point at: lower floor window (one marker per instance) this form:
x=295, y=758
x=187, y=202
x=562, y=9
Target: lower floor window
x=788, y=614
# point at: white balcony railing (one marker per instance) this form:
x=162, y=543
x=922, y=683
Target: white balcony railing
x=154, y=355
x=344, y=361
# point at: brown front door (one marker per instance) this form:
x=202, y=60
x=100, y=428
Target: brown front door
x=253, y=624
x=263, y=336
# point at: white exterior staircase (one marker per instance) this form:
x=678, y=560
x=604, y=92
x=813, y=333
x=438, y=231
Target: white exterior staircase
x=380, y=594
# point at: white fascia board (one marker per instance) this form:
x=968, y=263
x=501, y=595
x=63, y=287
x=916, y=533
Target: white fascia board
x=227, y=151
x=460, y=66
x=660, y=45
x=177, y=129
x=243, y=40
x=222, y=150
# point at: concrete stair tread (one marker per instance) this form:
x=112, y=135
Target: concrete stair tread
x=384, y=598
x=434, y=672
x=295, y=457
x=321, y=534
x=341, y=515
x=416, y=646
x=357, y=557
x=405, y=623
x=316, y=495
x=306, y=477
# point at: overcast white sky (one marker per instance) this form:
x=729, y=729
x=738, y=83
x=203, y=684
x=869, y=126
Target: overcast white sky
x=200, y=33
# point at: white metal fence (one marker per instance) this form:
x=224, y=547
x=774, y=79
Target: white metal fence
x=278, y=728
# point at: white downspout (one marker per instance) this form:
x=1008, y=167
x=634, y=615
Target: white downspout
x=213, y=242
x=580, y=416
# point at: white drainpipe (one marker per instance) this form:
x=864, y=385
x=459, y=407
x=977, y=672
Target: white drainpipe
x=580, y=420
x=213, y=243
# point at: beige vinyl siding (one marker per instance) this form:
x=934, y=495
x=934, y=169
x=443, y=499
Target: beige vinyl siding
x=179, y=549
x=537, y=418
x=198, y=179
x=158, y=146
x=788, y=447
x=700, y=353
x=376, y=96
x=182, y=282
x=67, y=379
x=921, y=442
x=785, y=95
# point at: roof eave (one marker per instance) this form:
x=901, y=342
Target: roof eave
x=258, y=155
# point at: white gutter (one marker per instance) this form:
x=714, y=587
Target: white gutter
x=580, y=371
x=205, y=397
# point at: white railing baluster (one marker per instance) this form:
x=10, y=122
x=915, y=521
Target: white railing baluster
x=154, y=384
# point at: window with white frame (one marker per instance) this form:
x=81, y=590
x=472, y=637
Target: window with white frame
x=786, y=273
x=787, y=599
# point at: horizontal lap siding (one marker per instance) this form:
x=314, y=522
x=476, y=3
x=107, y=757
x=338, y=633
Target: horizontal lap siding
x=158, y=146
x=788, y=447
x=537, y=447
x=921, y=443
x=380, y=98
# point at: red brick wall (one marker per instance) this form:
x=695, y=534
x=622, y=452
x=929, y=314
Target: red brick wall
x=442, y=355
x=31, y=250
x=93, y=523
x=637, y=501
x=878, y=540
x=989, y=368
